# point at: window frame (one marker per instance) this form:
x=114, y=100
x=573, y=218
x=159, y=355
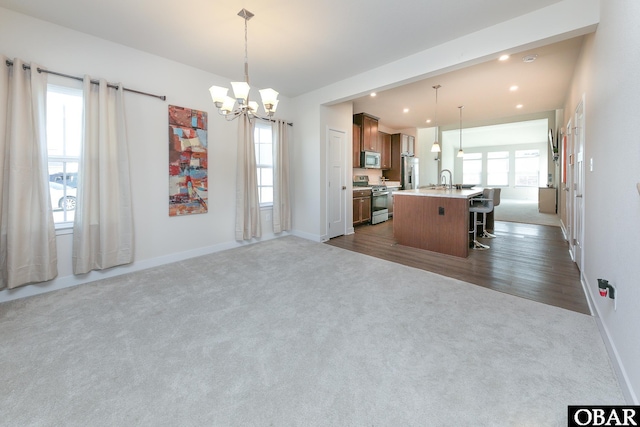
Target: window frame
x=64, y=158
x=475, y=158
x=264, y=164
x=504, y=156
x=521, y=154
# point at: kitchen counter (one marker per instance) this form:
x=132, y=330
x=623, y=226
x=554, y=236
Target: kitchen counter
x=465, y=193
x=433, y=219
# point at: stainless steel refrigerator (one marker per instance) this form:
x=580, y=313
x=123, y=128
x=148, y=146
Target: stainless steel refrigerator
x=409, y=172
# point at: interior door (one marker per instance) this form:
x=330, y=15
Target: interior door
x=579, y=184
x=336, y=188
x=569, y=193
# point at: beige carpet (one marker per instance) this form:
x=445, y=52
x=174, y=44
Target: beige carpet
x=290, y=332
x=524, y=211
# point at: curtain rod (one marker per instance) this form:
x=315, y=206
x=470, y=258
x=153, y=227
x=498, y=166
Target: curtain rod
x=266, y=119
x=95, y=82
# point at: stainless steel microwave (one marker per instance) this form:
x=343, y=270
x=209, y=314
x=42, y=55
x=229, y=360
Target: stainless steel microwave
x=370, y=160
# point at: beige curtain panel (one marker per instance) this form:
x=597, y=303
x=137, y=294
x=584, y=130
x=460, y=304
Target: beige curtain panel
x=27, y=232
x=281, y=192
x=247, y=200
x=103, y=225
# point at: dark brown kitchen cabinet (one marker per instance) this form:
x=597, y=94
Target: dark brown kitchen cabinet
x=393, y=172
x=361, y=206
x=385, y=150
x=356, y=145
x=401, y=145
x=368, y=131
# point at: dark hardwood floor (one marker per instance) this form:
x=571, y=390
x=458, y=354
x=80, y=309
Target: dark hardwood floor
x=526, y=260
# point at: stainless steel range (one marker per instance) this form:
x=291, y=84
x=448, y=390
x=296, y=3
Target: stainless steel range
x=379, y=208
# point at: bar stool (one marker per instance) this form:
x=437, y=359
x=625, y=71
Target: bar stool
x=482, y=205
x=486, y=231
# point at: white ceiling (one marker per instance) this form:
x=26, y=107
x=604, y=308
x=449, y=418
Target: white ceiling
x=296, y=46
x=483, y=90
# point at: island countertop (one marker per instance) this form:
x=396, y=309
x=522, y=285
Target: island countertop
x=464, y=193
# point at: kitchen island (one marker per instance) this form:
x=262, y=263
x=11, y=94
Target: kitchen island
x=435, y=219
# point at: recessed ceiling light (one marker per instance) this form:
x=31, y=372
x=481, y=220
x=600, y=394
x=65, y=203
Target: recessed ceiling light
x=529, y=58
x=503, y=57
x=406, y=110
x=519, y=106
x=513, y=88
x=373, y=94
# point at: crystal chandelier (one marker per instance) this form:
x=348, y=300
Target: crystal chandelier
x=225, y=104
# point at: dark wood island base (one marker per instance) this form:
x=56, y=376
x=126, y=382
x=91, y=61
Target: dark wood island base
x=433, y=219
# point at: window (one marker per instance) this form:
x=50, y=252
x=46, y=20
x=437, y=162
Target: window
x=64, y=136
x=472, y=168
x=264, y=163
x=498, y=169
x=527, y=168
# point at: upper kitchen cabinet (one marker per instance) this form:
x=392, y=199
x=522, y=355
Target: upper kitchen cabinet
x=356, y=145
x=408, y=143
x=368, y=132
x=385, y=150
x=401, y=145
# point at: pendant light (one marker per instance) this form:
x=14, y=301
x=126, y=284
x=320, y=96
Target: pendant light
x=435, y=148
x=226, y=103
x=460, y=152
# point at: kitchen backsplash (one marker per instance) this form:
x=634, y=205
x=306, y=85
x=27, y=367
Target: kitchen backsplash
x=373, y=174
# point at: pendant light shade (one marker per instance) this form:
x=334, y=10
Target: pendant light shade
x=227, y=105
x=460, y=152
x=269, y=100
x=218, y=95
x=435, y=148
x=240, y=91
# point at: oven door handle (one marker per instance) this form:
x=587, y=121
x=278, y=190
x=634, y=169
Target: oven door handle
x=380, y=193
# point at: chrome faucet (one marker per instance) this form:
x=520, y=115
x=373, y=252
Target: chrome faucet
x=444, y=181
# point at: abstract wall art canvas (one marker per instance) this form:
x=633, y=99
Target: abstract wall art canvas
x=188, y=187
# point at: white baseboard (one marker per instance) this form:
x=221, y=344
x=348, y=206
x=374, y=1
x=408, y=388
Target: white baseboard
x=309, y=236
x=75, y=280
x=625, y=385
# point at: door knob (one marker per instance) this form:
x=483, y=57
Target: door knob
x=344, y=187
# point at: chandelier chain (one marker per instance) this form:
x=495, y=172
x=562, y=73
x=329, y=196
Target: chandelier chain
x=246, y=53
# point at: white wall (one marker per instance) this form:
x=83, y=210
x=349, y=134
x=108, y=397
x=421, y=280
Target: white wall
x=607, y=77
x=510, y=135
x=428, y=172
x=158, y=237
x=510, y=191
